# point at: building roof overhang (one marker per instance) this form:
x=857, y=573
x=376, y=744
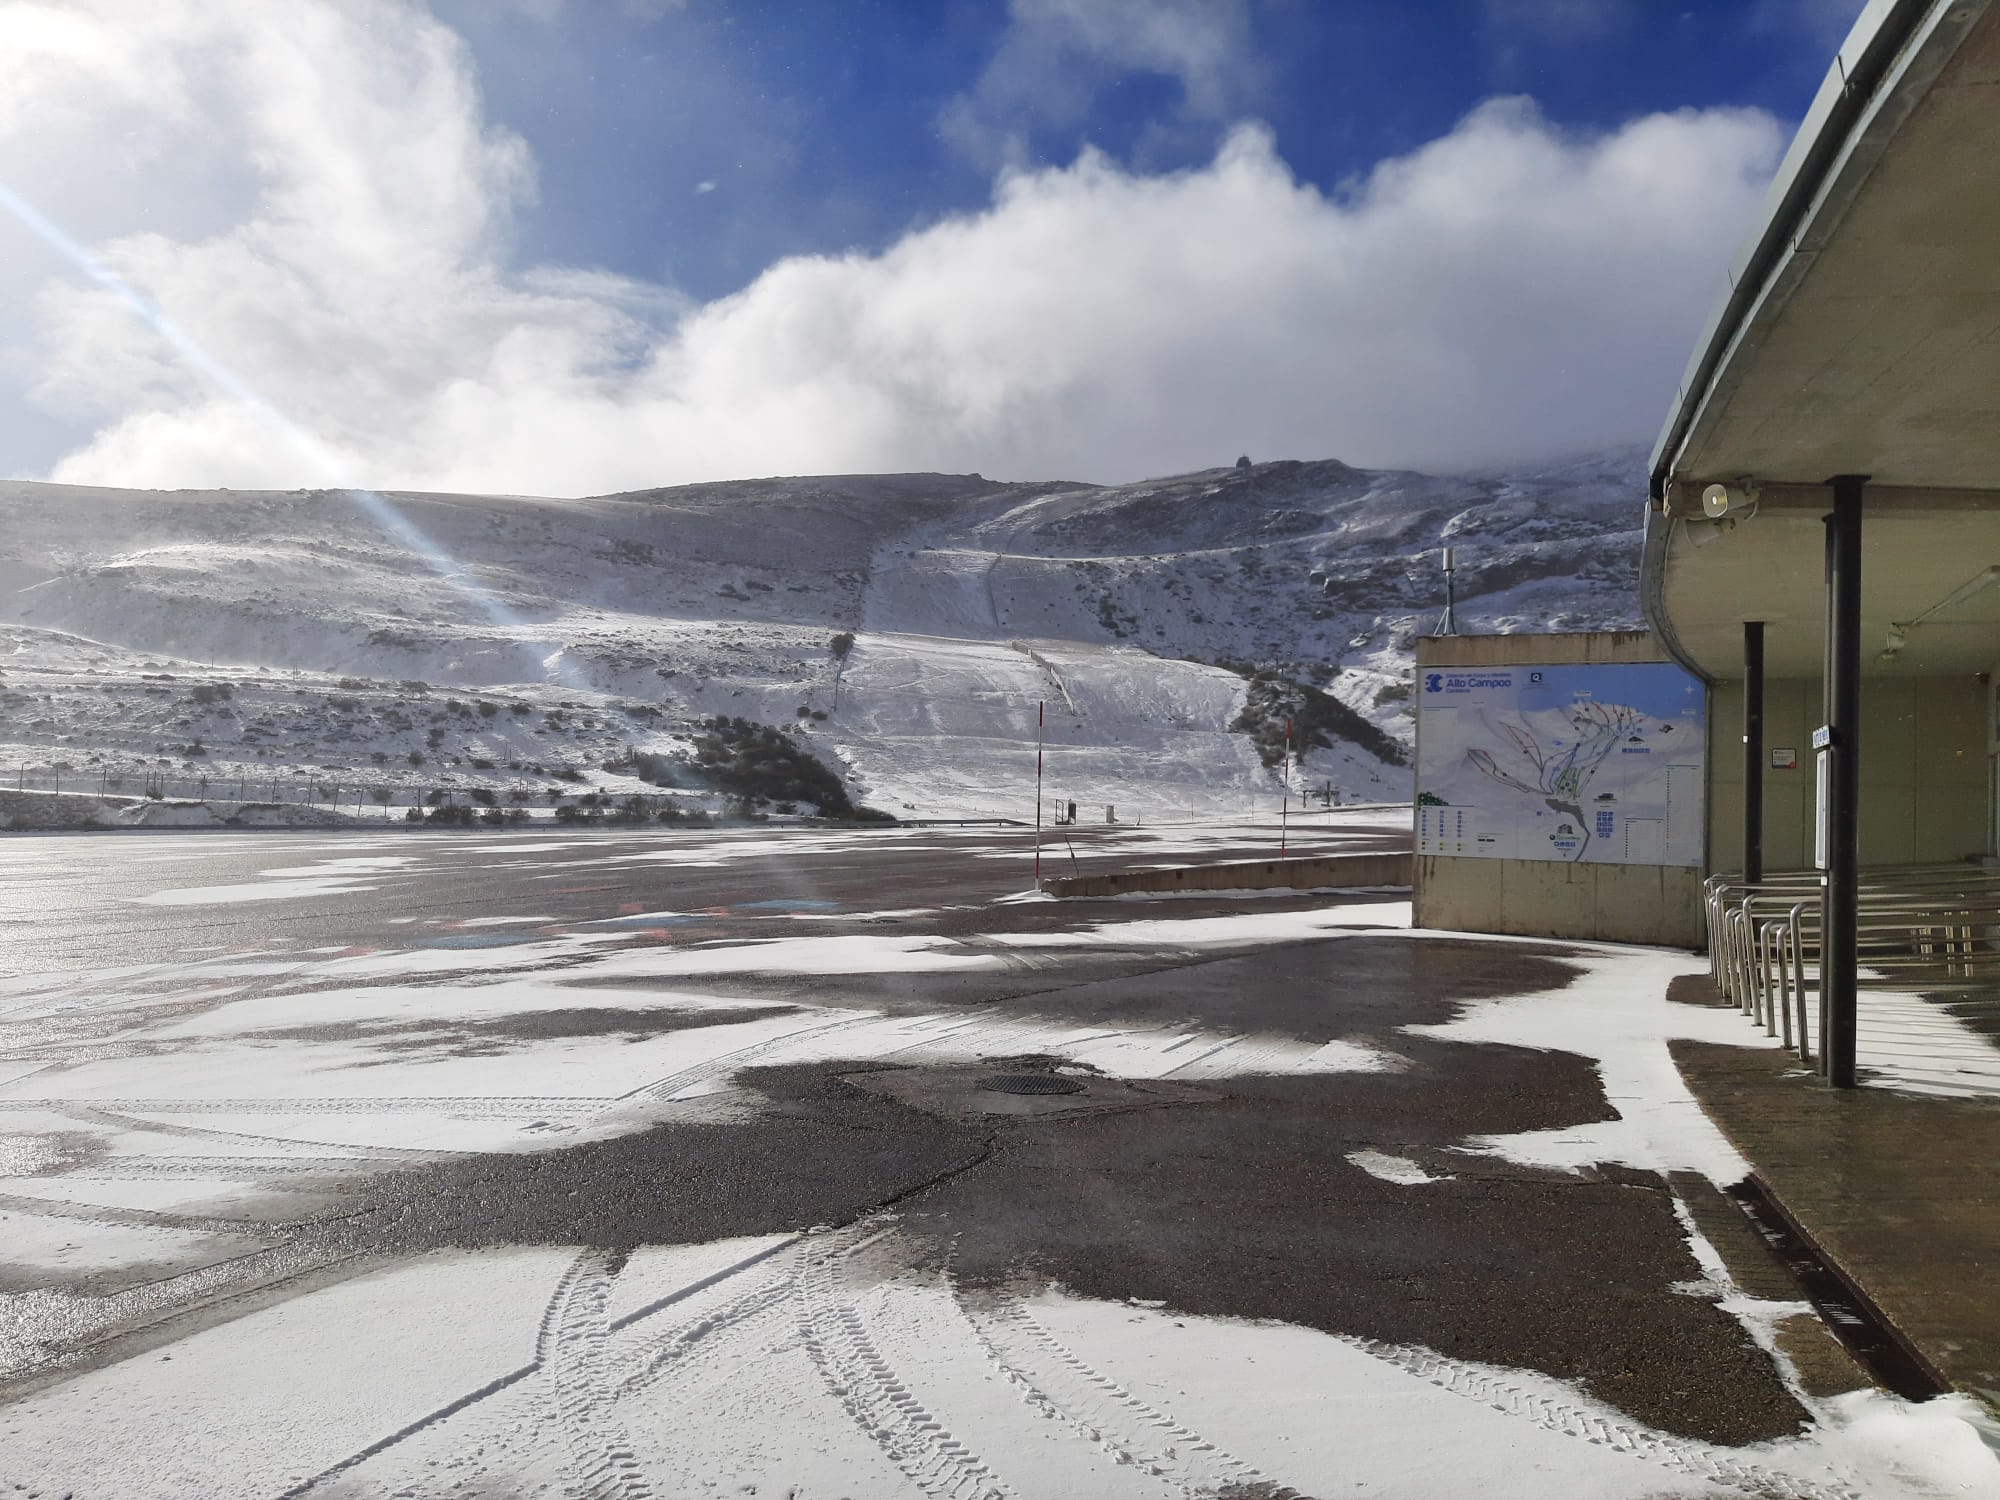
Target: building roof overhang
x=1860, y=333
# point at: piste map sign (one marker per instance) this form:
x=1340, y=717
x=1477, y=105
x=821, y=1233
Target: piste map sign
x=1579, y=764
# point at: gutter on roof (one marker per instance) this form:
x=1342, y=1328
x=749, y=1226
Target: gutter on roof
x=1844, y=96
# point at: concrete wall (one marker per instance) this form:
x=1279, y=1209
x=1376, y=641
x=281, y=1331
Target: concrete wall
x=1547, y=898
x=1325, y=872
x=1659, y=904
x=1576, y=646
x=1923, y=771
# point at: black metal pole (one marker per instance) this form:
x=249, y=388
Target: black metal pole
x=1843, y=723
x=1822, y=783
x=1753, y=750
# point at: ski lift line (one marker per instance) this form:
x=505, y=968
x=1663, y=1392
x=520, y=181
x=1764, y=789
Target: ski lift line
x=1048, y=669
x=1330, y=536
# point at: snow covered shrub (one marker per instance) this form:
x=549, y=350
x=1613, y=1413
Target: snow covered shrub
x=1318, y=720
x=753, y=761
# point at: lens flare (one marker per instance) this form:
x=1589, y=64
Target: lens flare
x=317, y=454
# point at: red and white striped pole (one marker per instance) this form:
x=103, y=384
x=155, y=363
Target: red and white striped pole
x=1040, y=710
x=1285, y=807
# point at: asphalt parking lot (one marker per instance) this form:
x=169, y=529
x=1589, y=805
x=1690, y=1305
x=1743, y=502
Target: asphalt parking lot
x=825, y=1163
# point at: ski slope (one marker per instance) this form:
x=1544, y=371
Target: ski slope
x=361, y=639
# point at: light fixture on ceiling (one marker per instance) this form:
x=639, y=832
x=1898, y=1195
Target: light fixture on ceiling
x=1899, y=633
x=1979, y=583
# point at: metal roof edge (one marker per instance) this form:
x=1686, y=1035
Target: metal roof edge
x=1652, y=587
x=1865, y=59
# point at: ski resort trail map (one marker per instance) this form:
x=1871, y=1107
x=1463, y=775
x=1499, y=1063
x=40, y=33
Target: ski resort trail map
x=1571, y=763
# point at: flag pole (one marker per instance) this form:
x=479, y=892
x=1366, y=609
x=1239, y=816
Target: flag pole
x=1040, y=710
x=1285, y=806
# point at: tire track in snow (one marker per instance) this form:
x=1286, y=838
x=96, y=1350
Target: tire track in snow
x=661, y=1356
x=627, y=1365
x=1060, y=1386
x=671, y=1357
x=96, y=1114
x=147, y=1168
x=472, y=1106
x=874, y=1395
x=662, y=1090
x=1247, y=1053
x=571, y=1350
x=1214, y=1050
x=971, y=1031
x=139, y=1218
x=1683, y=1455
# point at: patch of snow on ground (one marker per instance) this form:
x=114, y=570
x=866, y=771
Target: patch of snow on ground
x=42, y=1243
x=886, y=954
x=1915, y=1046
x=1948, y=1445
x=1397, y=1169
x=1244, y=928
x=228, y=895
x=380, y=1348
x=785, y=1361
x=1616, y=1013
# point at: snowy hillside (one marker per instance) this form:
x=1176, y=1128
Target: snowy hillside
x=208, y=637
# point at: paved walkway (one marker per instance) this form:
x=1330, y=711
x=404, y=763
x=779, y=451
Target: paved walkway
x=1900, y=1190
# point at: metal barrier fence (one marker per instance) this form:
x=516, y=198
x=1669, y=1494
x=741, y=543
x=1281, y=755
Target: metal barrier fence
x=364, y=798
x=1933, y=928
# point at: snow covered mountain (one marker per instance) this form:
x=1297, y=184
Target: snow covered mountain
x=516, y=642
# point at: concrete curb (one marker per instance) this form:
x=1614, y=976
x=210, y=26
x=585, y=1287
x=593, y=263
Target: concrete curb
x=1326, y=871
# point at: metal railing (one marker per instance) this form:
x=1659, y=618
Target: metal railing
x=1933, y=928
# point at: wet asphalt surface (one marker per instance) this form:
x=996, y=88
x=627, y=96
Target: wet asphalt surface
x=1235, y=1198
x=65, y=900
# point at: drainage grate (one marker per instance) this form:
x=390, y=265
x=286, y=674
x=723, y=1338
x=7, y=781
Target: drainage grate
x=1869, y=1336
x=1030, y=1083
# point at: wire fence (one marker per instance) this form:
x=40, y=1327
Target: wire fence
x=335, y=794
x=492, y=800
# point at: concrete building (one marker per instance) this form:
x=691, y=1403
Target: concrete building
x=1823, y=545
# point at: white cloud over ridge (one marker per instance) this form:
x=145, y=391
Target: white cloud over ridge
x=1504, y=293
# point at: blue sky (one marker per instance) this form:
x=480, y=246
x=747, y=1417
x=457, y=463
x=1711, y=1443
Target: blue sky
x=820, y=123
x=570, y=246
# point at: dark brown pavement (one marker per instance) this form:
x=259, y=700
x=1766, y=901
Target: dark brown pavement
x=1901, y=1193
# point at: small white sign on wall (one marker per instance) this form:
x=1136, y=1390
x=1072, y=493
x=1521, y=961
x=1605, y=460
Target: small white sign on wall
x=1823, y=782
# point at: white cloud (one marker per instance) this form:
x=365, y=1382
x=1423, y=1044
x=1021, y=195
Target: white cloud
x=1055, y=55
x=1504, y=292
